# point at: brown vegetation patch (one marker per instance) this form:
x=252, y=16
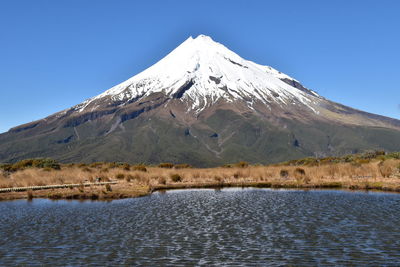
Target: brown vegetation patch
x=368, y=172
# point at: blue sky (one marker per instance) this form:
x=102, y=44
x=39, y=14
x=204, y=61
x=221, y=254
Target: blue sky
x=55, y=54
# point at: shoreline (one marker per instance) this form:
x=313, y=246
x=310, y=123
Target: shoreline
x=105, y=181
x=122, y=191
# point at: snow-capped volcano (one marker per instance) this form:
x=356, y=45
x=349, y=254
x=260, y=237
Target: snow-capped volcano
x=201, y=71
x=204, y=105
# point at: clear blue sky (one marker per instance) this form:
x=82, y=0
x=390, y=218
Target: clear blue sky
x=55, y=54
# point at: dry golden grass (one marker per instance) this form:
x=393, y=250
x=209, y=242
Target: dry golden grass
x=382, y=175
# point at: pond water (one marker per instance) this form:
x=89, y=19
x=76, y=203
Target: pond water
x=226, y=227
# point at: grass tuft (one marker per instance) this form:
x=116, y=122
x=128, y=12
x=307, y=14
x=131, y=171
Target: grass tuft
x=166, y=165
x=140, y=167
x=176, y=177
x=284, y=173
x=120, y=176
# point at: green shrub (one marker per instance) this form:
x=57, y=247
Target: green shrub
x=176, y=178
x=48, y=163
x=166, y=165
x=31, y=163
x=348, y=158
x=372, y=154
x=7, y=167
x=394, y=155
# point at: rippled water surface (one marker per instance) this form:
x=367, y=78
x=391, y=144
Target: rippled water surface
x=205, y=227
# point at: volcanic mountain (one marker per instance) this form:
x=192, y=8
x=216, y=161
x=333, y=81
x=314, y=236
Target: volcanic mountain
x=202, y=104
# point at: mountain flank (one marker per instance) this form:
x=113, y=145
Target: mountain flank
x=204, y=105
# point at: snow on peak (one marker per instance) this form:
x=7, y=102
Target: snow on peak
x=202, y=71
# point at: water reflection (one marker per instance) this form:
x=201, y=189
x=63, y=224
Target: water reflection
x=225, y=227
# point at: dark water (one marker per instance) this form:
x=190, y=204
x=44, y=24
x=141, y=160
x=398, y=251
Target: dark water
x=231, y=227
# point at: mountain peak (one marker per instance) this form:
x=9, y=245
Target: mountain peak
x=204, y=105
x=200, y=72
x=204, y=38
x=201, y=44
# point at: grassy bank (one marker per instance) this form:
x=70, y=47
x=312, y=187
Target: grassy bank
x=373, y=171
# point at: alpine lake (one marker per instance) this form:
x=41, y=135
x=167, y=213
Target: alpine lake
x=205, y=227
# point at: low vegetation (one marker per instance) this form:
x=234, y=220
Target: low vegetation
x=140, y=167
x=176, y=177
x=371, y=170
x=31, y=163
x=166, y=165
x=355, y=159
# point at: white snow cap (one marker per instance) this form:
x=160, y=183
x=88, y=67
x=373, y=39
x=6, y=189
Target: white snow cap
x=202, y=71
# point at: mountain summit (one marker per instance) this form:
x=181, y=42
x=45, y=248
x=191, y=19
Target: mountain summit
x=205, y=105
x=200, y=72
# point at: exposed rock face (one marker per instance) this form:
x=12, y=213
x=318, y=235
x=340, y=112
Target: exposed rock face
x=202, y=104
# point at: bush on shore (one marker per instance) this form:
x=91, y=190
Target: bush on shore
x=183, y=166
x=120, y=176
x=166, y=165
x=31, y=163
x=355, y=159
x=176, y=178
x=300, y=171
x=162, y=180
x=242, y=164
x=284, y=173
x=140, y=167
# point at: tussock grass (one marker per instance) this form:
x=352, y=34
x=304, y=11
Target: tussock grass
x=182, y=166
x=176, y=177
x=162, y=180
x=362, y=172
x=166, y=165
x=387, y=172
x=140, y=167
x=120, y=176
